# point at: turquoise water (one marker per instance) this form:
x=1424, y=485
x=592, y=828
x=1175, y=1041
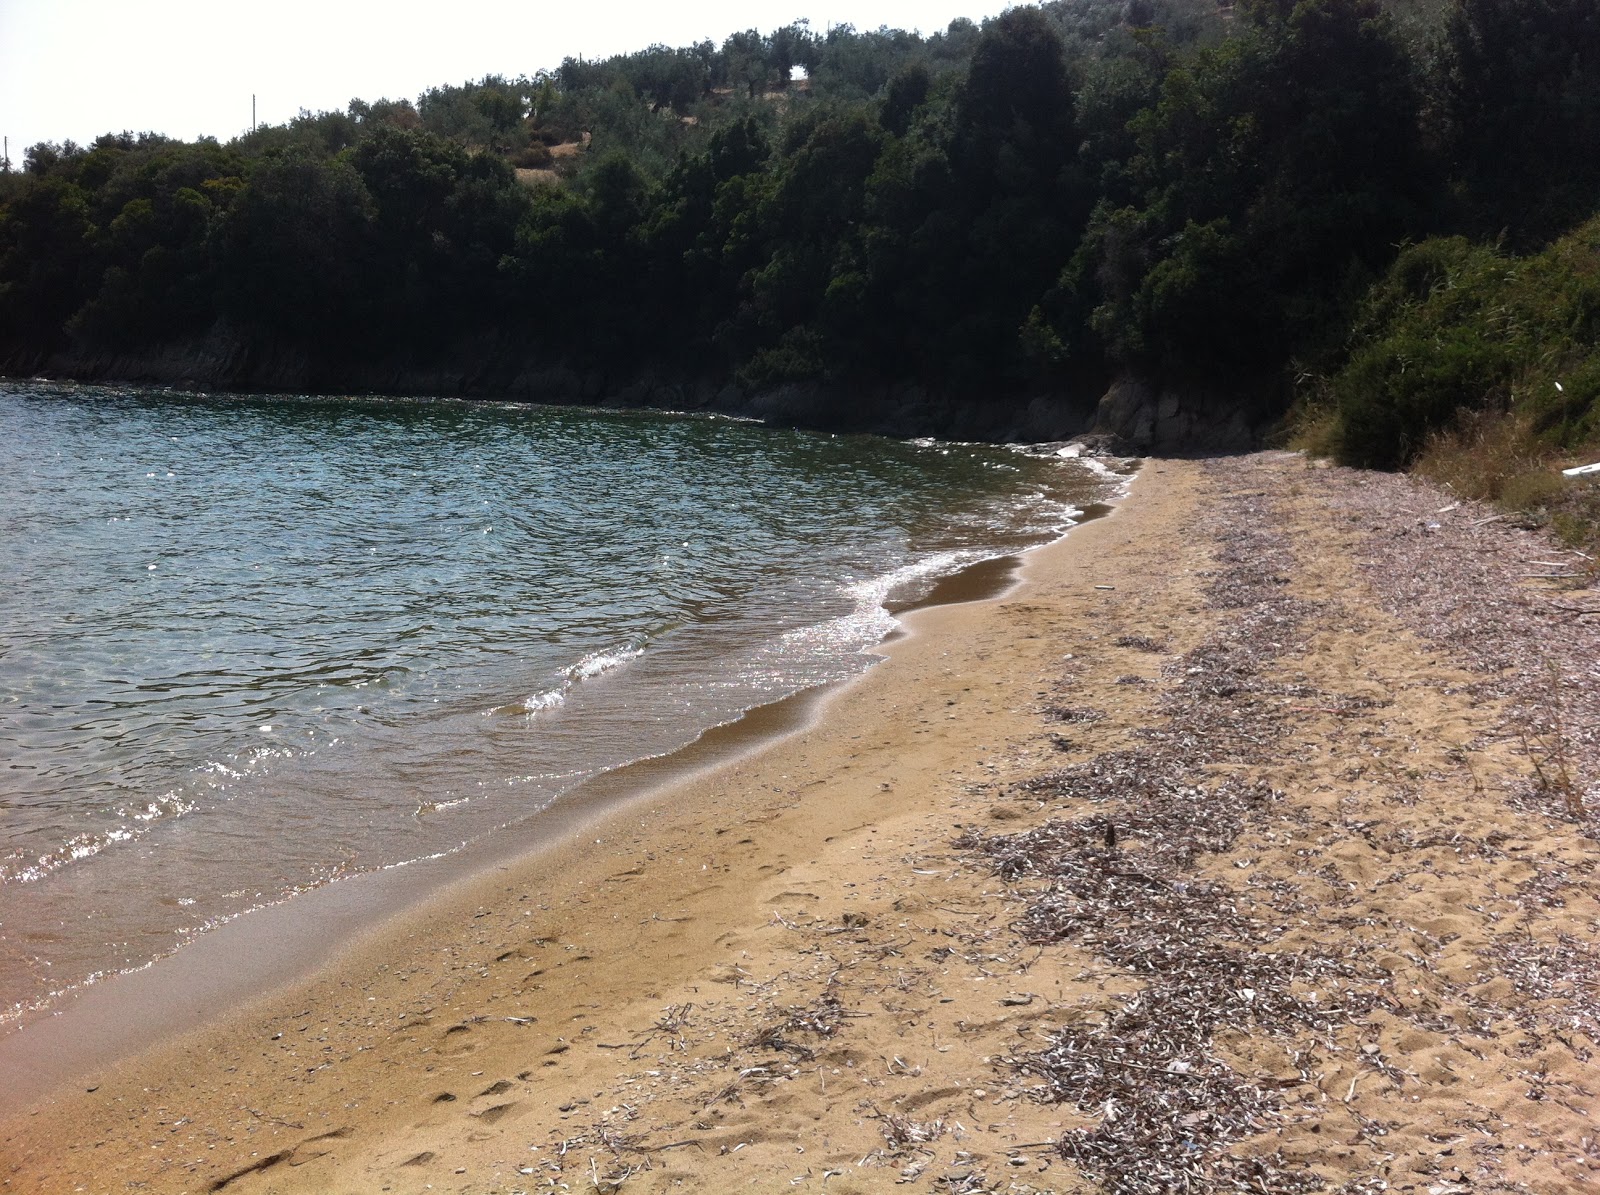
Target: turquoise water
x=250, y=645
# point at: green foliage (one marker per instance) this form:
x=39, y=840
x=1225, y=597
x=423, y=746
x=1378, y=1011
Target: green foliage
x=442, y=219
x=905, y=95
x=1267, y=177
x=485, y=114
x=299, y=234
x=1520, y=103
x=45, y=243
x=1456, y=330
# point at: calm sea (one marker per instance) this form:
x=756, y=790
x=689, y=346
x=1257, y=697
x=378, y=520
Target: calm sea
x=251, y=645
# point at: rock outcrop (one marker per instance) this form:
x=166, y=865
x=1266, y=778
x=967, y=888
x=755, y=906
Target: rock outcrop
x=1144, y=417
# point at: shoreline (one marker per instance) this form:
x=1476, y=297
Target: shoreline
x=385, y=791
x=645, y=824
x=1215, y=806
x=270, y=948
x=903, y=410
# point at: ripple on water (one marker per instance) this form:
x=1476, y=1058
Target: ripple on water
x=250, y=642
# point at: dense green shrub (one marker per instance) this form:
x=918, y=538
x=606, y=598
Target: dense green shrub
x=1457, y=329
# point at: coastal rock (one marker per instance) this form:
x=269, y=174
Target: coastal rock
x=553, y=383
x=1144, y=418
x=1052, y=417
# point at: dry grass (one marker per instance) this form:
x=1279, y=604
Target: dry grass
x=1545, y=740
x=538, y=178
x=1486, y=455
x=1495, y=457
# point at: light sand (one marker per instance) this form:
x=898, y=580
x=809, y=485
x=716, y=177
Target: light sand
x=781, y=974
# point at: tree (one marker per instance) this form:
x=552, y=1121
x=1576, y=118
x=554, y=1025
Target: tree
x=904, y=97
x=1520, y=100
x=44, y=260
x=297, y=249
x=1273, y=178
x=746, y=57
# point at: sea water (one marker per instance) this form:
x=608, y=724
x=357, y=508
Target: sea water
x=249, y=646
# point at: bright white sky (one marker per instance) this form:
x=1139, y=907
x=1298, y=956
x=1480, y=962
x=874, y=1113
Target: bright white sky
x=186, y=68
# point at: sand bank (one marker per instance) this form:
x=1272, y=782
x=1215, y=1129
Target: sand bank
x=1186, y=856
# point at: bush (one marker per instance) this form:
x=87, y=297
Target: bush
x=1455, y=331
x=535, y=156
x=1394, y=394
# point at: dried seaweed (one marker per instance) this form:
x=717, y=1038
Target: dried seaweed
x=1141, y=643
x=1077, y=714
x=1457, y=579
x=1120, y=883
x=1565, y=972
x=821, y=1018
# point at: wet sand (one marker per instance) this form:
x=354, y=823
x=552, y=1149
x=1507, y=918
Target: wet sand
x=803, y=966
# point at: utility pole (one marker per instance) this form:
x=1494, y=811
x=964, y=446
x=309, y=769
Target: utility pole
x=252, y=111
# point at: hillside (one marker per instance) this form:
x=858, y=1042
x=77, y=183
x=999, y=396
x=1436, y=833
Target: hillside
x=1189, y=201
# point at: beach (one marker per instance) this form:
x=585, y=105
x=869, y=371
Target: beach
x=1242, y=840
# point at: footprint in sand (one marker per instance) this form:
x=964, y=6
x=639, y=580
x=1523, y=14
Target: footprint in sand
x=306, y=1150
x=255, y=1167
x=299, y=1155
x=922, y=1099
x=458, y=1040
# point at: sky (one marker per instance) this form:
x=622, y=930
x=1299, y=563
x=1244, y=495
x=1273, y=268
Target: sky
x=78, y=68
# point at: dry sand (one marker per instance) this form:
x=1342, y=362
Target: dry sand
x=1215, y=853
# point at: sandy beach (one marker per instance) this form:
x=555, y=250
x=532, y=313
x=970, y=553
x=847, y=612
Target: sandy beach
x=1241, y=845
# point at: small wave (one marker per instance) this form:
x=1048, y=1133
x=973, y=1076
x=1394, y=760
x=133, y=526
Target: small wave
x=170, y=805
x=871, y=618
x=591, y=666
x=796, y=652
x=426, y=807
x=547, y=700
x=546, y=777
x=604, y=661
x=1094, y=465
x=137, y=819
x=875, y=591
x=81, y=846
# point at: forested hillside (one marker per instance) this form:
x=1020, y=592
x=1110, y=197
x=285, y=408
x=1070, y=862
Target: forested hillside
x=1199, y=197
